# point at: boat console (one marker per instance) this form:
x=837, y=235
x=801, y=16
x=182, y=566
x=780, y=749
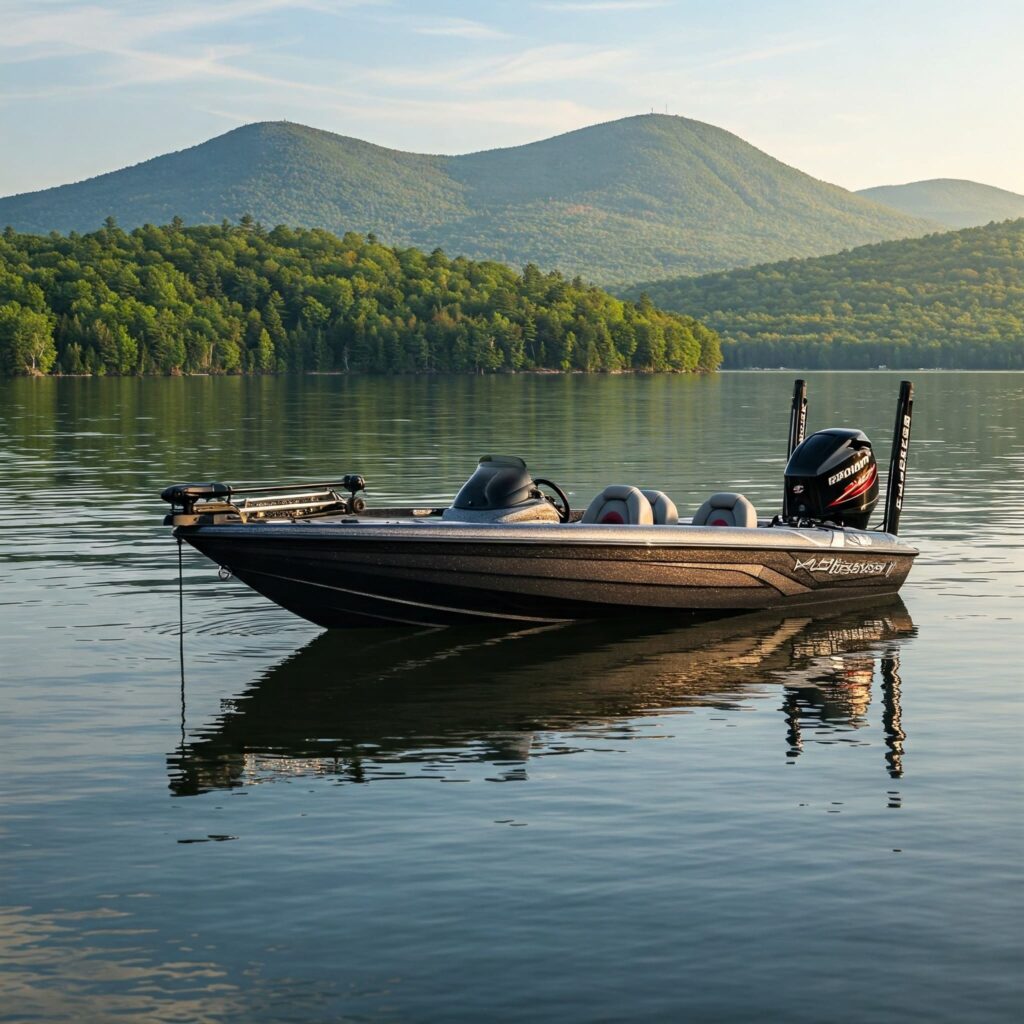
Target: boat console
x=501, y=490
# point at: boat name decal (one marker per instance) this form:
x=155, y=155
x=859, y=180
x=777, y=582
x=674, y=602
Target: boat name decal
x=850, y=470
x=845, y=567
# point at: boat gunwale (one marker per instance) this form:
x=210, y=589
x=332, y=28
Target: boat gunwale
x=434, y=530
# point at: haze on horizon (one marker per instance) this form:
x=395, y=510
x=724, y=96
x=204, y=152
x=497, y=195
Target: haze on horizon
x=869, y=95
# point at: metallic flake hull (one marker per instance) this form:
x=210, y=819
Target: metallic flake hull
x=428, y=573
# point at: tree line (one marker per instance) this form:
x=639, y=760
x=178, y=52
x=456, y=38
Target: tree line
x=237, y=298
x=953, y=300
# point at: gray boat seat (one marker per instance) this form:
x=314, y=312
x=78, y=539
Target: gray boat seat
x=620, y=504
x=663, y=507
x=726, y=509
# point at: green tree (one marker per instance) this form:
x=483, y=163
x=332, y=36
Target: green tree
x=26, y=340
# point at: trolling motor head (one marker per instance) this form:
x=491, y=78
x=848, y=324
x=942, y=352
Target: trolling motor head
x=833, y=476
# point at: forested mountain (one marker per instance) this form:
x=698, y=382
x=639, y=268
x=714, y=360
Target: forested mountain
x=950, y=201
x=641, y=197
x=233, y=299
x=947, y=300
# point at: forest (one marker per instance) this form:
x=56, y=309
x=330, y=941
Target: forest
x=237, y=298
x=953, y=300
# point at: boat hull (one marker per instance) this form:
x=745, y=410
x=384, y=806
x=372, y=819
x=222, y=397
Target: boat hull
x=360, y=574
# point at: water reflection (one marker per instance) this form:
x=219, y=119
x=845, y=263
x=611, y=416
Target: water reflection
x=112, y=968
x=837, y=690
x=374, y=705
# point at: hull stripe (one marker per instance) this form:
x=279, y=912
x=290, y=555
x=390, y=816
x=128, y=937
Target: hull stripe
x=413, y=604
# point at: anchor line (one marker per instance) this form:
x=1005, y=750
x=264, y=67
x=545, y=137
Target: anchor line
x=181, y=639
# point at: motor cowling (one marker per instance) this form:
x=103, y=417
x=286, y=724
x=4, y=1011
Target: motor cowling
x=833, y=476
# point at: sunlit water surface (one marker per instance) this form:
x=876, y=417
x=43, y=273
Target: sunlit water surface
x=767, y=818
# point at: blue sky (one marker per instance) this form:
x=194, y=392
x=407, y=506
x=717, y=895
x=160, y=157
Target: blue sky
x=855, y=93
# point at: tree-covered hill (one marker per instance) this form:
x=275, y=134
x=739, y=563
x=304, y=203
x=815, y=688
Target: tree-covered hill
x=950, y=201
x=239, y=299
x=640, y=197
x=952, y=300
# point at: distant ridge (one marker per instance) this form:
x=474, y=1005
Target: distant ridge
x=953, y=300
x=951, y=201
x=640, y=197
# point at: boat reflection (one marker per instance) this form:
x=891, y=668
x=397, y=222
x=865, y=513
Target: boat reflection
x=379, y=704
x=833, y=688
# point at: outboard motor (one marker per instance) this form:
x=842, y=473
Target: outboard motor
x=501, y=490
x=833, y=477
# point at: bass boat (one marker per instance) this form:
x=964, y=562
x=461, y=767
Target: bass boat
x=509, y=549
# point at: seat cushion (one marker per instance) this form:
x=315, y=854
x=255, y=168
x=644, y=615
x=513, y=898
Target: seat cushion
x=726, y=509
x=663, y=507
x=620, y=504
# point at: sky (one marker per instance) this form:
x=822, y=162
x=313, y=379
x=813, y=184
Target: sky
x=859, y=94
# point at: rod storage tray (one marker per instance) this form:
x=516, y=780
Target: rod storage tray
x=292, y=505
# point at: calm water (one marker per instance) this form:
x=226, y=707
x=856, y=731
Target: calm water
x=762, y=819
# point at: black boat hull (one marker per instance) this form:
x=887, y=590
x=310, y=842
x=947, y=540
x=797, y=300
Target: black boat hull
x=427, y=575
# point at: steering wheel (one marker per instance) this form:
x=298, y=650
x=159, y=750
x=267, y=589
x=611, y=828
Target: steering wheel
x=563, y=510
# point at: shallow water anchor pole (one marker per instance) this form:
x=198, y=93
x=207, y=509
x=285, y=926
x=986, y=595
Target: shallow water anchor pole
x=797, y=416
x=797, y=427
x=898, y=459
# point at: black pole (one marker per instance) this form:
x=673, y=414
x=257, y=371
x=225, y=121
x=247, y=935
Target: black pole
x=797, y=415
x=797, y=427
x=898, y=459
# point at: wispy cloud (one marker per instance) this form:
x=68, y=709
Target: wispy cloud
x=768, y=52
x=604, y=5
x=138, y=67
x=138, y=43
x=108, y=26
x=554, y=63
x=562, y=62
x=462, y=28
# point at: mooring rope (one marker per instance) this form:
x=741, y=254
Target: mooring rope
x=181, y=639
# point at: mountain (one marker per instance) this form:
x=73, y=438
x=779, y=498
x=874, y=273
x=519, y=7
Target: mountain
x=641, y=197
x=950, y=201
x=953, y=300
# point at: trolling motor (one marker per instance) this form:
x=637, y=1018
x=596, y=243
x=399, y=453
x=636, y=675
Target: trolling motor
x=353, y=483
x=219, y=503
x=832, y=476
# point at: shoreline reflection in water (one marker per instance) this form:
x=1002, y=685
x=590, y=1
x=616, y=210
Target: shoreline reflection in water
x=385, y=704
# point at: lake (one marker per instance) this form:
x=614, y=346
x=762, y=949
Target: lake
x=762, y=818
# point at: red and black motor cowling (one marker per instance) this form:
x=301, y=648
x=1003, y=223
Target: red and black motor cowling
x=833, y=477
